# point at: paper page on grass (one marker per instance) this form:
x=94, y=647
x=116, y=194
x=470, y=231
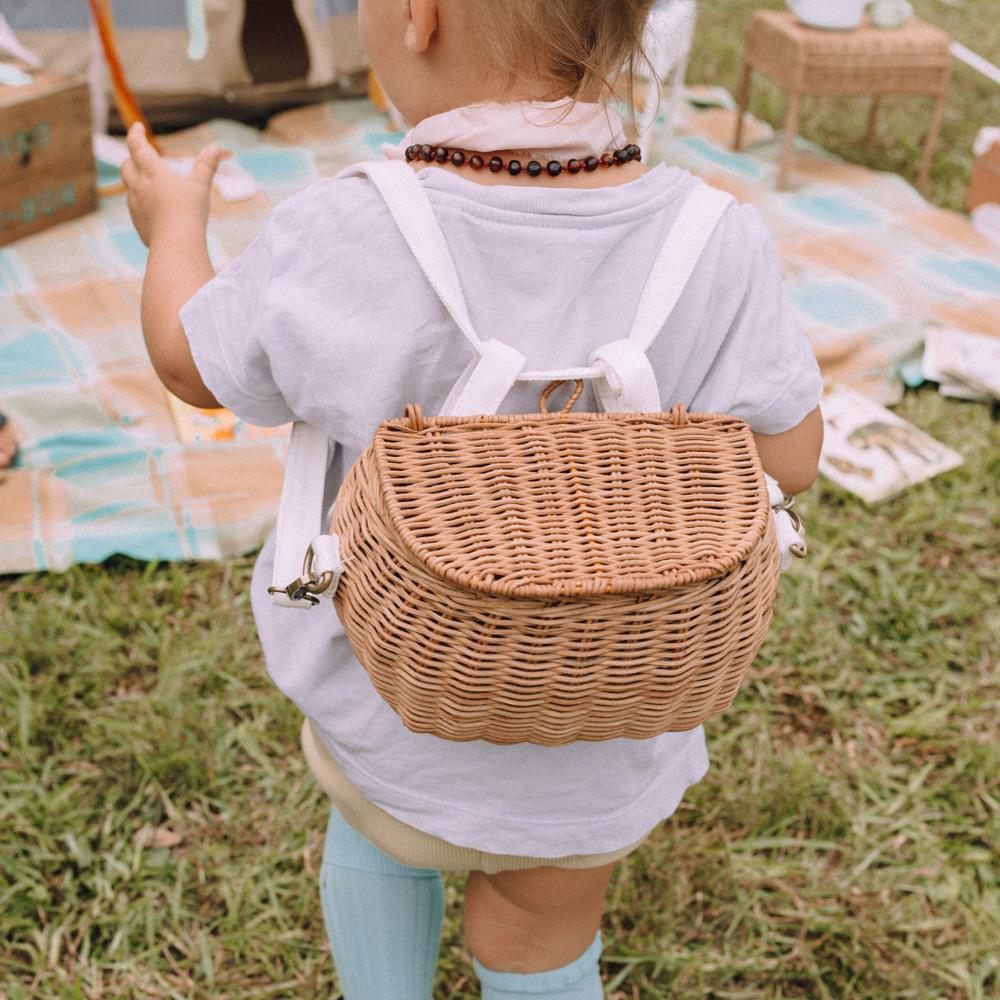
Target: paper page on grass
x=874, y=454
x=933, y=368
x=971, y=359
x=955, y=388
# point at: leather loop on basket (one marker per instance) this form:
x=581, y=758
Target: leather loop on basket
x=415, y=415
x=543, y=400
x=679, y=415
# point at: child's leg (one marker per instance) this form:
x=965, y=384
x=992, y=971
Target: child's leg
x=383, y=918
x=579, y=980
x=536, y=932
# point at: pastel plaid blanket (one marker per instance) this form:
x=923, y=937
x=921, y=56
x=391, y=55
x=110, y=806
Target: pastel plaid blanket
x=103, y=469
x=869, y=265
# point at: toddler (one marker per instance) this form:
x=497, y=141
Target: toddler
x=328, y=317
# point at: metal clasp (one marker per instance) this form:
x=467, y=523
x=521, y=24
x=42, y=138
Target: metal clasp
x=800, y=549
x=307, y=586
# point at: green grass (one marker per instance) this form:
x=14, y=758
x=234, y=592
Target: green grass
x=845, y=843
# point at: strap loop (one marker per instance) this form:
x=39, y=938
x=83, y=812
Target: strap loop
x=486, y=382
x=628, y=384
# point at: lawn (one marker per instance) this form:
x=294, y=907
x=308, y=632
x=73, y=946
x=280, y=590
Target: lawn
x=161, y=836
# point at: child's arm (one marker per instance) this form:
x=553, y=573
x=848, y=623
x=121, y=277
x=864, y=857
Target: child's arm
x=170, y=214
x=793, y=456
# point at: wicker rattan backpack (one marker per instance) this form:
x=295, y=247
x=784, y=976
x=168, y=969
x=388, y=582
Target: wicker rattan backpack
x=549, y=577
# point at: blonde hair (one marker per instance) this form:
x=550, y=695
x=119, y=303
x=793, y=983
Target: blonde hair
x=590, y=50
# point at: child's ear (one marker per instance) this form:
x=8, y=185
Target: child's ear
x=421, y=23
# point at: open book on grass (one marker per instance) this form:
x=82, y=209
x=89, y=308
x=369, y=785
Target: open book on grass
x=874, y=454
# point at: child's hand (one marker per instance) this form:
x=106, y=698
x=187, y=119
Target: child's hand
x=157, y=196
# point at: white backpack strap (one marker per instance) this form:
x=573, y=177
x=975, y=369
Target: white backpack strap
x=413, y=214
x=629, y=384
x=492, y=373
x=299, y=529
x=685, y=243
x=484, y=385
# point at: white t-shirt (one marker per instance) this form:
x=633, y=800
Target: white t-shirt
x=327, y=318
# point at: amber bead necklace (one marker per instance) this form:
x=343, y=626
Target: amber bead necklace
x=533, y=168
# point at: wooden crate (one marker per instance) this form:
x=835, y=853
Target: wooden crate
x=47, y=169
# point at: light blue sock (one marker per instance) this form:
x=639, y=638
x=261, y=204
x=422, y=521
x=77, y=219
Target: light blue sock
x=383, y=919
x=580, y=980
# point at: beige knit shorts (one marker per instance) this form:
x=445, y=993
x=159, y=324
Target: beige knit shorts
x=413, y=847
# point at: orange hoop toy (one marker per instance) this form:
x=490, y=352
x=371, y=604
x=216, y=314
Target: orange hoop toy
x=128, y=106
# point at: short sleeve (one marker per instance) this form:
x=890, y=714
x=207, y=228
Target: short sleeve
x=779, y=382
x=225, y=323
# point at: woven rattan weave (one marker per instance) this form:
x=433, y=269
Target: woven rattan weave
x=551, y=578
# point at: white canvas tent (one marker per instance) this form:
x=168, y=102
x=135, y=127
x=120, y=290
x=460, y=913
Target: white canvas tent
x=258, y=54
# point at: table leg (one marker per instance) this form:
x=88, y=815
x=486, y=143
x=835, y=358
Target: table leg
x=872, y=121
x=788, y=145
x=744, y=97
x=933, y=131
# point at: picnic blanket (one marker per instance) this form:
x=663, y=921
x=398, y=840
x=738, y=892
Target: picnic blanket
x=869, y=265
x=103, y=469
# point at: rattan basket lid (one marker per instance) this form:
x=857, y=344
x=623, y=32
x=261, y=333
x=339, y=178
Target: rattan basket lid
x=549, y=506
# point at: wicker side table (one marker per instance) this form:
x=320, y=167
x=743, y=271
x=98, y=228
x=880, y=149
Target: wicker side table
x=913, y=60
